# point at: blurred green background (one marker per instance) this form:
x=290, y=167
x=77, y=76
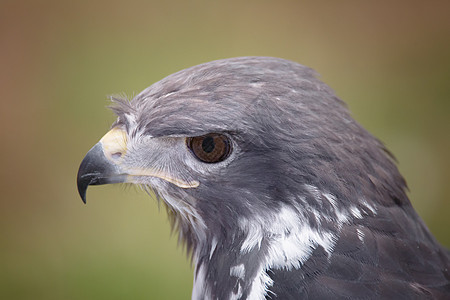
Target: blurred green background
x=59, y=60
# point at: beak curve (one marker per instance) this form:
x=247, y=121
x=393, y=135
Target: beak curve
x=103, y=165
x=96, y=168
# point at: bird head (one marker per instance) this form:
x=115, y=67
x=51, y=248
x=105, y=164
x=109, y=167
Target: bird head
x=240, y=139
x=271, y=183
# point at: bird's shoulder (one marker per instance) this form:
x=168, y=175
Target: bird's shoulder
x=389, y=256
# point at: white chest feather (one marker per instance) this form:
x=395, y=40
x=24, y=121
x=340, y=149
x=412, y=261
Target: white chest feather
x=289, y=242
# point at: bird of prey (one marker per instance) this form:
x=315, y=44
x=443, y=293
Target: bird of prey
x=277, y=192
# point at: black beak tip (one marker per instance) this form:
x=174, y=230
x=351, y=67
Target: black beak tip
x=82, y=195
x=82, y=185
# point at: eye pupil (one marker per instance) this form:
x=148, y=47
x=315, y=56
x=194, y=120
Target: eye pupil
x=208, y=144
x=210, y=148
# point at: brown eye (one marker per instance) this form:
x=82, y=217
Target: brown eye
x=210, y=148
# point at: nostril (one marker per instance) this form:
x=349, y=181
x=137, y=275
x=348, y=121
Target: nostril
x=116, y=155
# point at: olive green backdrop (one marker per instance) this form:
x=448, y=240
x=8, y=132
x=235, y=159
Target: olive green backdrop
x=59, y=60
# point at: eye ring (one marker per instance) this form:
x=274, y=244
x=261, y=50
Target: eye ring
x=210, y=148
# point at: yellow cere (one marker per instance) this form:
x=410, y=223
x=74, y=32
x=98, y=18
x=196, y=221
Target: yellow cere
x=114, y=143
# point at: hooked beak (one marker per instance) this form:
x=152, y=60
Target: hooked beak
x=101, y=163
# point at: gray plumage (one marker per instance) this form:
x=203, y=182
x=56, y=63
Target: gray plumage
x=307, y=205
